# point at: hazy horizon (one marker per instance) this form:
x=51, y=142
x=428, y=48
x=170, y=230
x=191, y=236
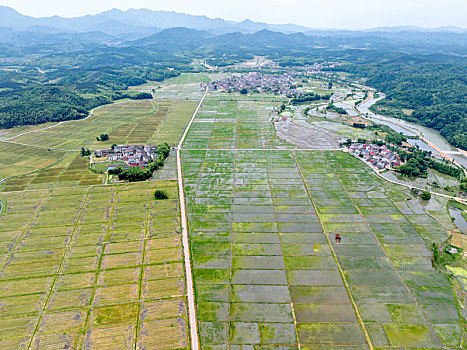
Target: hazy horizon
x=325, y=14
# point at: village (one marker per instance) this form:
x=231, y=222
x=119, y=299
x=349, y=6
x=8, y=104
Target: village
x=283, y=84
x=126, y=156
x=376, y=156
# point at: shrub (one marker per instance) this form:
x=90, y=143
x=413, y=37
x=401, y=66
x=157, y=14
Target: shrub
x=159, y=195
x=425, y=195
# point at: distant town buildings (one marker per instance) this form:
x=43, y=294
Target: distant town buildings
x=128, y=155
x=377, y=156
x=283, y=84
x=318, y=67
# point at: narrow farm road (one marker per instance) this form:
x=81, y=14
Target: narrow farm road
x=186, y=247
x=91, y=113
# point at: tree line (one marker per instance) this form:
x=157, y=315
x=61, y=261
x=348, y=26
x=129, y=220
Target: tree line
x=437, y=94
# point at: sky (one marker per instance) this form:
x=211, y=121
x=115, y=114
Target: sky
x=349, y=14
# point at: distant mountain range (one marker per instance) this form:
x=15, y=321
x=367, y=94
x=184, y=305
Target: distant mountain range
x=138, y=23
x=133, y=23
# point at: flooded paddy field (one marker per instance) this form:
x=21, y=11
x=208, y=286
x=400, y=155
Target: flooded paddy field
x=268, y=271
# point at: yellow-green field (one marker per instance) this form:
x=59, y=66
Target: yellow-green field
x=70, y=172
x=46, y=153
x=18, y=159
x=87, y=266
x=93, y=267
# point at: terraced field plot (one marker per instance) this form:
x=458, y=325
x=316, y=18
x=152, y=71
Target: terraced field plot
x=268, y=273
x=225, y=122
x=92, y=267
x=71, y=171
x=130, y=122
x=18, y=159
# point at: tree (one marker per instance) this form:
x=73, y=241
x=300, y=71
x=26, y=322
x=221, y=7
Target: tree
x=244, y=91
x=134, y=174
x=463, y=185
x=85, y=152
x=426, y=196
x=164, y=149
x=160, y=195
x=113, y=146
x=117, y=171
x=330, y=85
x=103, y=137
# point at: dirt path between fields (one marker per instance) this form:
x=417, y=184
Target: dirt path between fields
x=185, y=242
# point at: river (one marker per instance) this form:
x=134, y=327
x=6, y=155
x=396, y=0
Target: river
x=412, y=129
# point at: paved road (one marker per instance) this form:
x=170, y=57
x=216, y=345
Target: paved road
x=186, y=246
x=263, y=149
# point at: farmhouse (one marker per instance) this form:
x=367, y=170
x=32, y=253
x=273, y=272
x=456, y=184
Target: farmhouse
x=128, y=155
x=377, y=156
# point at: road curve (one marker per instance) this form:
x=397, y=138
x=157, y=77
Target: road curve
x=458, y=199
x=91, y=113
x=186, y=247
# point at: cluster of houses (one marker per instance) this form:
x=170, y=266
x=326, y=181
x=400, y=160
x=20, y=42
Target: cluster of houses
x=128, y=155
x=377, y=156
x=283, y=84
x=318, y=67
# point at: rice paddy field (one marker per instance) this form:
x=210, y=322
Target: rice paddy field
x=184, y=87
x=268, y=272
x=16, y=159
x=229, y=121
x=92, y=268
x=129, y=122
x=87, y=266
x=71, y=171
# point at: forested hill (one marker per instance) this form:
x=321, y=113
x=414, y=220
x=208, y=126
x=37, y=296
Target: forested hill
x=66, y=75
x=437, y=94
x=67, y=85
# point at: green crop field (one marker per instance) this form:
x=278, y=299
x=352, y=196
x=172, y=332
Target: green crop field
x=129, y=122
x=84, y=265
x=16, y=159
x=268, y=272
x=90, y=266
x=93, y=267
x=184, y=87
x=71, y=171
x=226, y=122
